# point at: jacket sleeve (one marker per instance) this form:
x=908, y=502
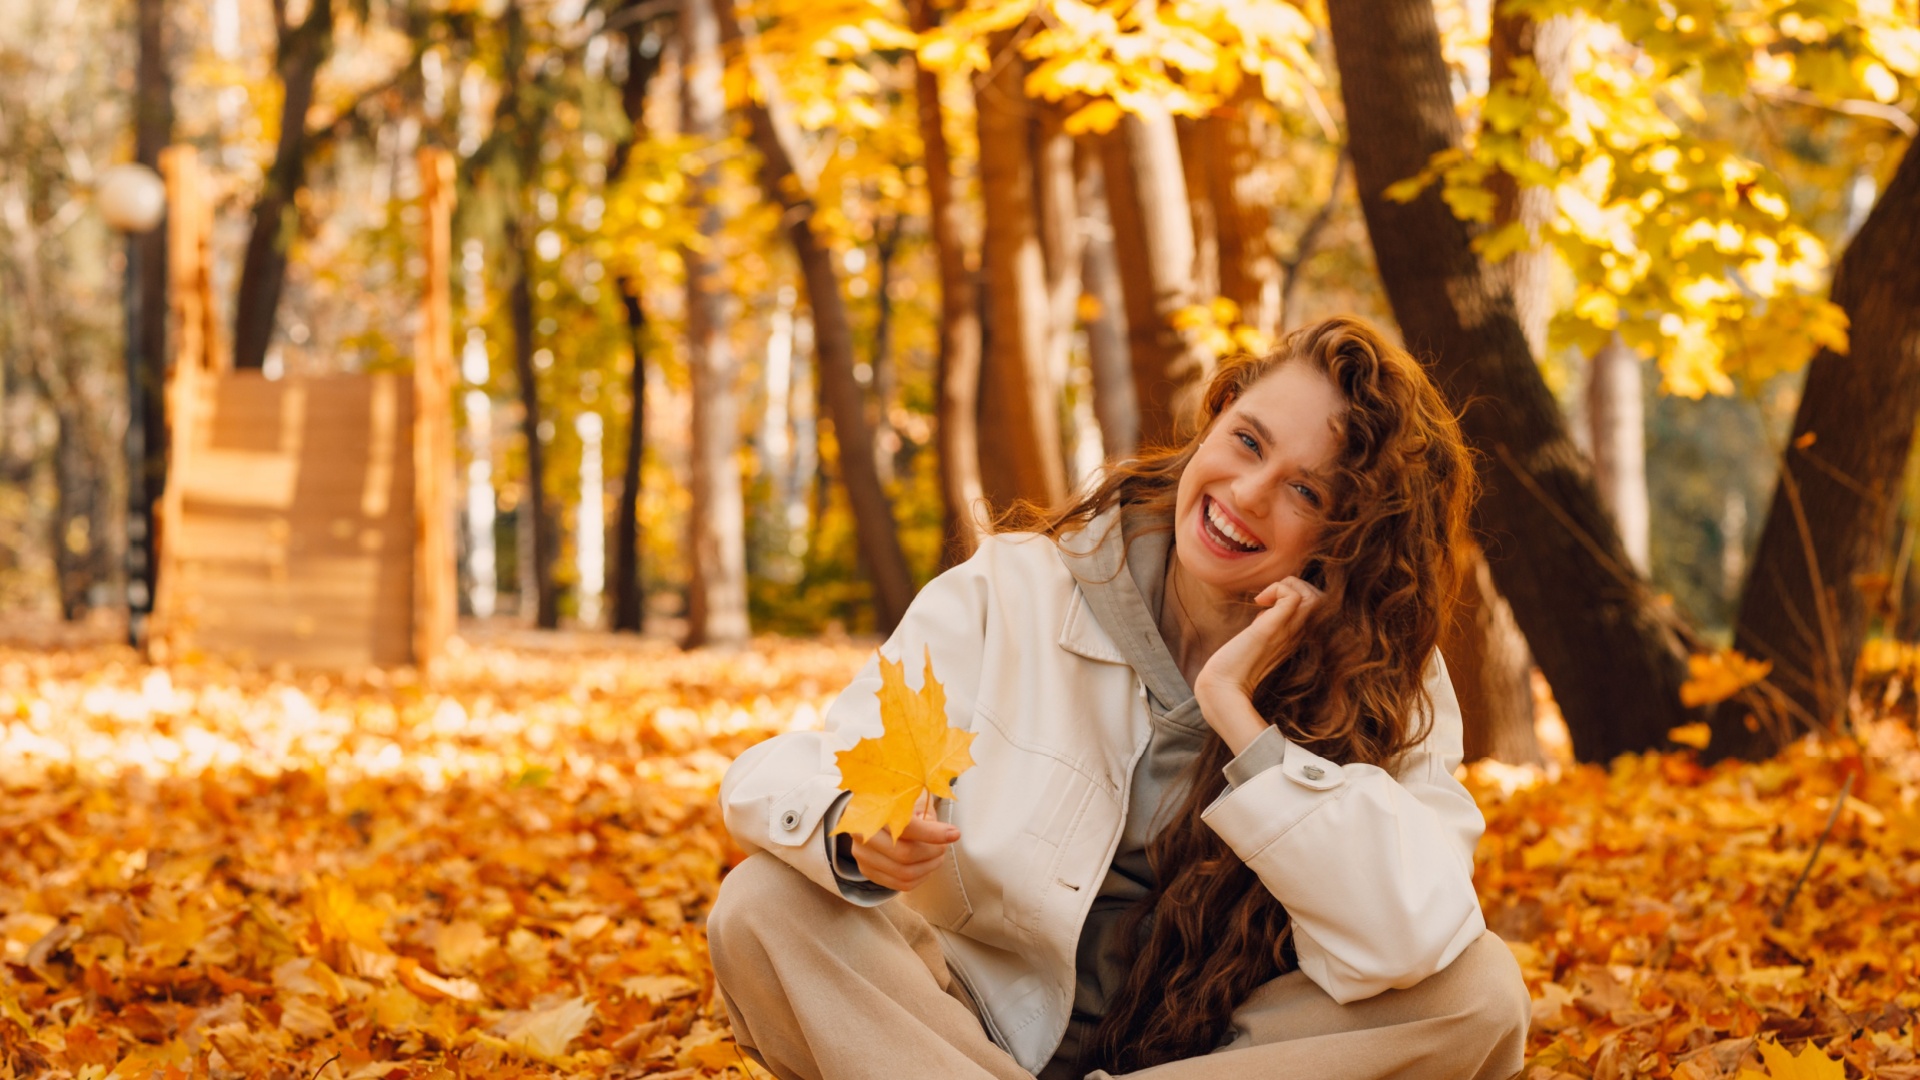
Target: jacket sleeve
x=776, y=796
x=1375, y=870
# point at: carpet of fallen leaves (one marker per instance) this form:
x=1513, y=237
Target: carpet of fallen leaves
x=210, y=872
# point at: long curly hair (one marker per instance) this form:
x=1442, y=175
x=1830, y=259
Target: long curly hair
x=1391, y=560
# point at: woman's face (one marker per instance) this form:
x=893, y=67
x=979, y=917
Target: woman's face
x=1249, y=507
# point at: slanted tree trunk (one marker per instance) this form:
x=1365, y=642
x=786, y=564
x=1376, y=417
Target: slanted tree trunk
x=1114, y=405
x=625, y=582
x=264, y=273
x=778, y=140
x=1832, y=518
x=1019, y=412
x=959, y=371
x=1487, y=652
x=1614, y=658
x=717, y=597
x=1153, y=239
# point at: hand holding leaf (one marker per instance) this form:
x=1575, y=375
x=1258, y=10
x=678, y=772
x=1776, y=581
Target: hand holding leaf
x=917, y=753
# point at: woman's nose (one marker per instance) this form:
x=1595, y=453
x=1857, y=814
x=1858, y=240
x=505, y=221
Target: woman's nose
x=1253, y=493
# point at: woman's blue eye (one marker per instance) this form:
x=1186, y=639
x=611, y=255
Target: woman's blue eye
x=1247, y=441
x=1307, y=493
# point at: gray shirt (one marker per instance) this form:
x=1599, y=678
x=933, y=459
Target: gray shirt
x=1128, y=607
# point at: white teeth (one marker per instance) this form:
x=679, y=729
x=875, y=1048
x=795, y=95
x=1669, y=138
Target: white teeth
x=1220, y=522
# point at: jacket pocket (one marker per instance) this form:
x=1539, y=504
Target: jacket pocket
x=942, y=898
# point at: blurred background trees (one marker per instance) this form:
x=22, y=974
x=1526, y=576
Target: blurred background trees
x=764, y=307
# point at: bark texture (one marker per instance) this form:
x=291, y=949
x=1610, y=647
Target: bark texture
x=1831, y=522
x=717, y=594
x=1153, y=241
x=959, y=371
x=1492, y=673
x=777, y=140
x=1617, y=438
x=1614, y=659
x=264, y=272
x=1019, y=411
x=1114, y=404
x=1246, y=270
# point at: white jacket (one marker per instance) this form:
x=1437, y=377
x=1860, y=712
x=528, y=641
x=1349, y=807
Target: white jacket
x=1374, y=869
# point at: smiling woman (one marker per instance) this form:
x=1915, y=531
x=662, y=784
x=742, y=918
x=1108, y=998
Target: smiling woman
x=1213, y=827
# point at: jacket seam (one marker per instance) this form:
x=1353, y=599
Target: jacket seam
x=981, y=708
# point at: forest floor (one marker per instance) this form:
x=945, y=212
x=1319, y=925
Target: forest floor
x=209, y=871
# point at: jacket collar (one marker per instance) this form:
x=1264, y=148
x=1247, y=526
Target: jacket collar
x=1119, y=588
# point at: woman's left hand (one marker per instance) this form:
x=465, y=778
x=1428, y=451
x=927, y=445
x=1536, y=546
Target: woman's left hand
x=1239, y=665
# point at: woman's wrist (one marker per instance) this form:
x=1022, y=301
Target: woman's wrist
x=1230, y=713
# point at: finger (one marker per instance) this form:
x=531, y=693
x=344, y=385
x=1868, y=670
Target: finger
x=929, y=830
x=892, y=873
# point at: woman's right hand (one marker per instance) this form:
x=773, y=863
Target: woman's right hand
x=903, y=864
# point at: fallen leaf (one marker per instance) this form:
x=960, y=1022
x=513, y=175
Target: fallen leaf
x=546, y=1032
x=1808, y=1064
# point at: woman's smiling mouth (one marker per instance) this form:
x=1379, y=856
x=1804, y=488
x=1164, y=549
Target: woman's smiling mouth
x=1220, y=528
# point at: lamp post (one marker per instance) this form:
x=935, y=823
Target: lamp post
x=133, y=199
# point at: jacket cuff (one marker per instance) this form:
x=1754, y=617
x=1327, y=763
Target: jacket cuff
x=854, y=883
x=1253, y=814
x=1264, y=752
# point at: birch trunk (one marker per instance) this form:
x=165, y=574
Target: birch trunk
x=717, y=593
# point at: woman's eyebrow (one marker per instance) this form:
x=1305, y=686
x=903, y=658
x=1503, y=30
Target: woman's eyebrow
x=1259, y=428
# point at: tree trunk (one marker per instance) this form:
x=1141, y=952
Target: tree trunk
x=1114, y=405
x=153, y=131
x=885, y=381
x=1492, y=673
x=1153, y=240
x=959, y=372
x=1617, y=437
x=264, y=272
x=717, y=597
x=1548, y=43
x=629, y=598
x=542, y=536
x=1614, y=658
x=777, y=140
x=1246, y=270
x=1840, y=488
x=1019, y=403
x=1491, y=663
x=1056, y=198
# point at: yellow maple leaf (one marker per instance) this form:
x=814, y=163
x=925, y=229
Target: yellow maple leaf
x=916, y=753
x=1809, y=1064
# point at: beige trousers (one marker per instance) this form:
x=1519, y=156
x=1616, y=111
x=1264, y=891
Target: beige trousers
x=820, y=989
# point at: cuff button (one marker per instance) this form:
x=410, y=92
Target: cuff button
x=1312, y=772
x=790, y=820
